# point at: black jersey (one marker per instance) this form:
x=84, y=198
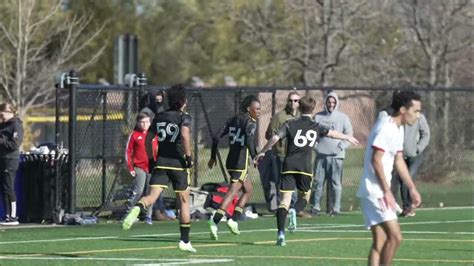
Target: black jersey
x=302, y=135
x=167, y=126
x=241, y=131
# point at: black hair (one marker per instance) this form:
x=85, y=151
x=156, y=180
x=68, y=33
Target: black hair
x=176, y=97
x=247, y=101
x=403, y=99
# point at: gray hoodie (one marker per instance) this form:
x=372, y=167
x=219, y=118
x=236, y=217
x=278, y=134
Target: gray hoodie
x=417, y=137
x=335, y=120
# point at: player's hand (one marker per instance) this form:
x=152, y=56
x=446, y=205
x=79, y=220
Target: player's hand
x=390, y=200
x=211, y=163
x=188, y=160
x=415, y=198
x=133, y=173
x=258, y=158
x=352, y=140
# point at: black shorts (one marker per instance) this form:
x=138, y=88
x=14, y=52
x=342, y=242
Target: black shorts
x=162, y=175
x=237, y=175
x=299, y=181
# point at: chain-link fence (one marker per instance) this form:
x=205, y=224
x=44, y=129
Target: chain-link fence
x=105, y=117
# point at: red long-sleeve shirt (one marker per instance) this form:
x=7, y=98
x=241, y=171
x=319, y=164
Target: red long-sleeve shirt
x=135, y=153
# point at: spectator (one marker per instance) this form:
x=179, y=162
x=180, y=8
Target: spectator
x=330, y=157
x=277, y=154
x=11, y=137
x=138, y=163
x=416, y=139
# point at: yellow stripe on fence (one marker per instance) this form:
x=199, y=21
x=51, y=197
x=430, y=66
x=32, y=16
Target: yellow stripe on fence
x=64, y=118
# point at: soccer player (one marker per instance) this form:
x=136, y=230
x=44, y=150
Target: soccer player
x=173, y=164
x=241, y=131
x=384, y=150
x=301, y=134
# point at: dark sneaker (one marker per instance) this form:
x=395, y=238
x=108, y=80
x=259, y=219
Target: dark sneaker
x=333, y=213
x=303, y=214
x=10, y=221
x=316, y=212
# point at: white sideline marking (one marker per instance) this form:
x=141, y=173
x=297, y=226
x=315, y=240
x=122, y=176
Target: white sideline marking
x=367, y=231
x=167, y=261
x=306, y=229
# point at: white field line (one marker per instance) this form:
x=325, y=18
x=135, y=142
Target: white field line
x=161, y=261
x=306, y=229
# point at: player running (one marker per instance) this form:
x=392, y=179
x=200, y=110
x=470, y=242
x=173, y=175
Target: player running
x=241, y=131
x=173, y=128
x=302, y=134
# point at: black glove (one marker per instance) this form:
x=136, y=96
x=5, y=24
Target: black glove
x=188, y=161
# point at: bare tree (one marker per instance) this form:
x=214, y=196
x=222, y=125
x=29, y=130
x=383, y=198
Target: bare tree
x=37, y=40
x=305, y=37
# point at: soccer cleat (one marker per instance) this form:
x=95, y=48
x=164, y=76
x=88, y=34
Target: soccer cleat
x=131, y=218
x=10, y=221
x=281, y=240
x=292, y=222
x=186, y=247
x=233, y=227
x=148, y=220
x=212, y=229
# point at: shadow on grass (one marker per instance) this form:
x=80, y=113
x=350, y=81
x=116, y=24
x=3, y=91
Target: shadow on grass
x=175, y=240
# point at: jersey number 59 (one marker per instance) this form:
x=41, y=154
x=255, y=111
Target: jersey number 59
x=301, y=141
x=165, y=129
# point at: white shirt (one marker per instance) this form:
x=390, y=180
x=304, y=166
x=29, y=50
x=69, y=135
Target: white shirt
x=385, y=136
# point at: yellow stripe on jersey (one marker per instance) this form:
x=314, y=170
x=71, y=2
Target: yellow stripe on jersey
x=170, y=168
x=296, y=172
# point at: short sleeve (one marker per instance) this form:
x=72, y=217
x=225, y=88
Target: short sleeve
x=381, y=141
x=187, y=120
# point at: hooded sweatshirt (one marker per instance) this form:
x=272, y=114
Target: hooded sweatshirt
x=334, y=120
x=11, y=137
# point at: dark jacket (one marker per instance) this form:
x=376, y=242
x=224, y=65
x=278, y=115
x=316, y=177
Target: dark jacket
x=11, y=137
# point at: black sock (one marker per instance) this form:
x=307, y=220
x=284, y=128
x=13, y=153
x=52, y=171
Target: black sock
x=237, y=214
x=184, y=229
x=218, y=215
x=281, y=219
x=141, y=205
x=300, y=204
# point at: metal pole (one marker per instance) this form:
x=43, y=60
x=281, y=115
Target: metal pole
x=72, y=83
x=57, y=160
x=104, y=160
x=196, y=141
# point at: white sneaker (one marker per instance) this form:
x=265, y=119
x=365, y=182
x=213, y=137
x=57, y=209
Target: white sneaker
x=186, y=247
x=292, y=218
x=212, y=229
x=233, y=226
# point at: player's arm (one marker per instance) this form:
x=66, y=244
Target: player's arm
x=186, y=137
x=380, y=174
x=150, y=152
x=338, y=135
x=250, y=139
x=404, y=174
x=282, y=132
x=215, y=141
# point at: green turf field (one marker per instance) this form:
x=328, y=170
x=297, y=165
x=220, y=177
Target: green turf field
x=433, y=237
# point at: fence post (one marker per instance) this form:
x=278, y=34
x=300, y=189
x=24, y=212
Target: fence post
x=72, y=82
x=104, y=160
x=196, y=140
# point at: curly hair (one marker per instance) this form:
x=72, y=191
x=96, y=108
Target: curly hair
x=176, y=97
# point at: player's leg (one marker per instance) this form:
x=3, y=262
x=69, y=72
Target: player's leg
x=247, y=190
x=158, y=182
x=287, y=187
x=394, y=239
x=378, y=242
x=234, y=188
x=180, y=180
